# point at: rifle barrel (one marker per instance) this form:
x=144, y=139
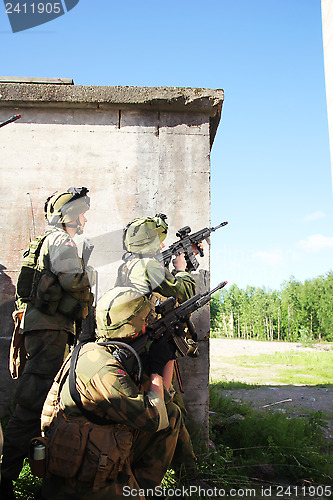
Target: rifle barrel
x=218, y=287
x=205, y=298
x=218, y=227
x=10, y=120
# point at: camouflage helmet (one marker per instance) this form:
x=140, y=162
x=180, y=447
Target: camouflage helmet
x=145, y=235
x=121, y=312
x=62, y=208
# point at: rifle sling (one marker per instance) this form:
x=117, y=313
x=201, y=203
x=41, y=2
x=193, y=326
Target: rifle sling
x=75, y=395
x=92, y=417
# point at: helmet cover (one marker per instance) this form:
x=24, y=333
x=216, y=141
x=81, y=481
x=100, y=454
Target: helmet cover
x=145, y=235
x=62, y=208
x=121, y=313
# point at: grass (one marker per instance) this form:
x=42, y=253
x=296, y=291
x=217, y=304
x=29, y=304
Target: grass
x=251, y=449
x=300, y=368
x=27, y=484
x=271, y=445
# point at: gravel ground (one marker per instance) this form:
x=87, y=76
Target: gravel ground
x=294, y=400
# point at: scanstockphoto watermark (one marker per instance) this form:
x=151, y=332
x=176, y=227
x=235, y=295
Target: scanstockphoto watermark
x=26, y=14
x=296, y=492
x=188, y=492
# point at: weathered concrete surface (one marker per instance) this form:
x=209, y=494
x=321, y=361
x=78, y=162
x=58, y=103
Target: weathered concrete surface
x=23, y=79
x=74, y=95
x=140, y=151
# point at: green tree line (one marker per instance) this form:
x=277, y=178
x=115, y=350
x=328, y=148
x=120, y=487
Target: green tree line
x=298, y=311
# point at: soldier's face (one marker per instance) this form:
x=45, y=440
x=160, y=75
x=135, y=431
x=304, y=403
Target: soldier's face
x=81, y=223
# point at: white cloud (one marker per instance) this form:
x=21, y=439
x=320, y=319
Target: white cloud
x=314, y=216
x=316, y=243
x=273, y=258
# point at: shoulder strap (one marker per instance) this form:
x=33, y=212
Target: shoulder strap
x=37, y=243
x=96, y=419
x=125, y=270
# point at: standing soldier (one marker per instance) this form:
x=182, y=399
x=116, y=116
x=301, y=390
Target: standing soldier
x=143, y=240
x=53, y=292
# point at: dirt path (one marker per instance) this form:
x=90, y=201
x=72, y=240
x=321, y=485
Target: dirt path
x=290, y=399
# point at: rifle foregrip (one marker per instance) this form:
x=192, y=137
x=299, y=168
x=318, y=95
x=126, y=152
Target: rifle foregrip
x=201, y=252
x=191, y=329
x=192, y=263
x=181, y=344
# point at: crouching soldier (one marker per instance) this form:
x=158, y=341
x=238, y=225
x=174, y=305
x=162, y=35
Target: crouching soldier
x=143, y=271
x=105, y=433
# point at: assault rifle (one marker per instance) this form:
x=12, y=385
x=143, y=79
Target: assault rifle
x=185, y=245
x=10, y=120
x=169, y=327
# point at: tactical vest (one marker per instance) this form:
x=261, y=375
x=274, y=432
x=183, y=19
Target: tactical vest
x=41, y=287
x=35, y=285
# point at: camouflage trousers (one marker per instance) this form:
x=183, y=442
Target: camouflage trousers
x=149, y=459
x=45, y=353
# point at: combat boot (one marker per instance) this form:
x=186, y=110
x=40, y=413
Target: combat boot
x=6, y=489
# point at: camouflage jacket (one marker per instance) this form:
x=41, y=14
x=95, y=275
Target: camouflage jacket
x=148, y=276
x=59, y=255
x=108, y=391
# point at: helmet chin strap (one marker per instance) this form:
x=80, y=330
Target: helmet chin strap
x=79, y=226
x=79, y=229
x=75, y=225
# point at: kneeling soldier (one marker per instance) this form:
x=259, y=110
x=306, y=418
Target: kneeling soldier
x=104, y=432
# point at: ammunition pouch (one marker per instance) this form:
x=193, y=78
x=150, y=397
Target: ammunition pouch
x=76, y=305
x=27, y=283
x=106, y=451
x=51, y=298
x=48, y=293
x=67, y=441
x=89, y=452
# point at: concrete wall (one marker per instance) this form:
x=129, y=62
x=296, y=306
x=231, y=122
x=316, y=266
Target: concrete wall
x=139, y=151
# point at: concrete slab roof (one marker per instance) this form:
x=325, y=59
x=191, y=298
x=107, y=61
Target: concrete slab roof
x=23, y=79
x=173, y=99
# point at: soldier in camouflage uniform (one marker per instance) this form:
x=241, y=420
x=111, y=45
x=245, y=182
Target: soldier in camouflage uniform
x=61, y=294
x=134, y=443
x=143, y=240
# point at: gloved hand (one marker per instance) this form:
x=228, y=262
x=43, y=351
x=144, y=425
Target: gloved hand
x=160, y=353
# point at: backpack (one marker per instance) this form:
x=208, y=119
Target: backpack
x=29, y=274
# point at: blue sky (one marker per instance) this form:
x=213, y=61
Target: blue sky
x=271, y=175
